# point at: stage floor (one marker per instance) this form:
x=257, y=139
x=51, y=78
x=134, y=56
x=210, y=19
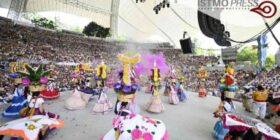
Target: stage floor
x=190, y=120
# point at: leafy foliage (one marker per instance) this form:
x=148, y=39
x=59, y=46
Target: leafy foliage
x=251, y=54
x=248, y=54
x=93, y=29
x=35, y=75
x=44, y=22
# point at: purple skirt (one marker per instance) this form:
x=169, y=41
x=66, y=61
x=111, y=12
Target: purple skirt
x=51, y=115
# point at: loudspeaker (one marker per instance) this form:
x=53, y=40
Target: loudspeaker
x=186, y=45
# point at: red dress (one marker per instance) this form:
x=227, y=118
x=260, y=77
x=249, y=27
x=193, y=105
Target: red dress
x=50, y=93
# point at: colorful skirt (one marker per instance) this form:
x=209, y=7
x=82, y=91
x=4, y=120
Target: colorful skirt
x=75, y=102
x=50, y=94
x=103, y=105
x=38, y=112
x=18, y=103
x=155, y=105
x=182, y=96
x=173, y=98
x=219, y=131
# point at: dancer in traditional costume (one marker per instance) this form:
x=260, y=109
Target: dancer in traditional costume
x=50, y=92
x=172, y=96
x=126, y=89
x=155, y=105
x=18, y=102
x=227, y=107
x=36, y=106
x=103, y=104
x=181, y=93
x=101, y=73
x=228, y=84
x=260, y=101
x=247, y=100
x=129, y=126
x=202, y=75
x=75, y=102
x=35, y=102
x=171, y=75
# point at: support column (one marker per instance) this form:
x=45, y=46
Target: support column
x=114, y=18
x=16, y=8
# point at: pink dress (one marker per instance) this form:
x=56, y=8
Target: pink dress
x=103, y=104
x=155, y=105
x=172, y=97
x=75, y=102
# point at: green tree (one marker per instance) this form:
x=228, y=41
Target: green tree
x=248, y=54
x=251, y=54
x=270, y=61
x=93, y=29
x=44, y=22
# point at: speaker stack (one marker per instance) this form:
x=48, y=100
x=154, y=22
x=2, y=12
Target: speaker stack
x=186, y=45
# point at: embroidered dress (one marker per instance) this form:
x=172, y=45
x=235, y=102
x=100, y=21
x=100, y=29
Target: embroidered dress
x=103, y=104
x=18, y=103
x=136, y=127
x=75, y=102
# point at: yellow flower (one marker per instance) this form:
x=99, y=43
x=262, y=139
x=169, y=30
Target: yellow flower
x=31, y=127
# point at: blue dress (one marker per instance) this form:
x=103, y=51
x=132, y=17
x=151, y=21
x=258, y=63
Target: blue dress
x=181, y=93
x=18, y=103
x=219, y=131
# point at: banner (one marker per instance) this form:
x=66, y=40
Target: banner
x=17, y=67
x=262, y=41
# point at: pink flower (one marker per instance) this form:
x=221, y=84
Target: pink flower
x=147, y=136
x=131, y=116
x=136, y=133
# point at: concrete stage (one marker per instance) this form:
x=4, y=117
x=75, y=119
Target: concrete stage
x=190, y=120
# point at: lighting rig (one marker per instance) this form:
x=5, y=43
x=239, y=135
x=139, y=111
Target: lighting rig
x=163, y=4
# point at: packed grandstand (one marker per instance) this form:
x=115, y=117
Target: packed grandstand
x=39, y=63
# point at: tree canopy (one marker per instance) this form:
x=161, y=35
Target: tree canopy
x=44, y=22
x=93, y=29
x=251, y=54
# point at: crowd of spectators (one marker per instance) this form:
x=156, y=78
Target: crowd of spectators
x=35, y=45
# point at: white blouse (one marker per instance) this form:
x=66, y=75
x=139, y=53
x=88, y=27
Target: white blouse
x=32, y=102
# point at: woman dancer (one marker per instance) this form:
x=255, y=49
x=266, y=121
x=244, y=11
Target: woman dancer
x=155, y=105
x=75, y=102
x=172, y=75
x=202, y=74
x=36, y=106
x=18, y=102
x=227, y=107
x=173, y=97
x=126, y=89
x=181, y=91
x=103, y=104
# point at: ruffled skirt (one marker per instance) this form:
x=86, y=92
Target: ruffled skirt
x=173, y=98
x=103, y=105
x=18, y=103
x=155, y=105
x=50, y=94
